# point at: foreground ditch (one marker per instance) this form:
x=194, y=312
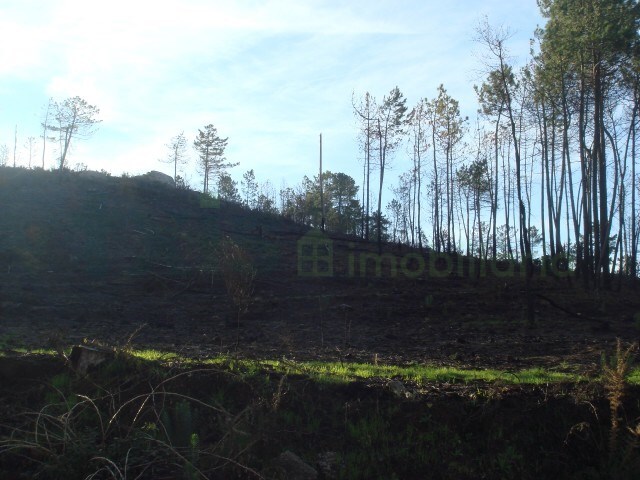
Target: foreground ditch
x=134, y=418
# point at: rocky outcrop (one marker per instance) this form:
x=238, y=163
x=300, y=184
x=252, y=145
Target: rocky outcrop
x=157, y=177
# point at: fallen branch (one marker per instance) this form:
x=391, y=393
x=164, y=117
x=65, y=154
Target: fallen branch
x=604, y=323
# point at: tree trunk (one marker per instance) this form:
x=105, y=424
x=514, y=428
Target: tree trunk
x=587, y=266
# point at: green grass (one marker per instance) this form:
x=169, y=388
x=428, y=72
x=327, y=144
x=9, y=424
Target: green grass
x=152, y=355
x=634, y=376
x=419, y=374
x=342, y=372
x=36, y=351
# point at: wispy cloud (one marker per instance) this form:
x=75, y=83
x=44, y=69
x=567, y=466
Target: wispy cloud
x=269, y=74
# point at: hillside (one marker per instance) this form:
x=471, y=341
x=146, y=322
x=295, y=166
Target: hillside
x=346, y=364
x=84, y=257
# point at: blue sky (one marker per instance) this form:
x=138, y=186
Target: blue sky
x=270, y=75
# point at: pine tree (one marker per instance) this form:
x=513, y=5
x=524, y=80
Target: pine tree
x=389, y=127
x=210, y=147
x=228, y=189
x=249, y=189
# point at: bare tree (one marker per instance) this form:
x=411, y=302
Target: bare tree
x=418, y=120
x=45, y=127
x=239, y=275
x=389, y=130
x=75, y=119
x=365, y=112
x=448, y=129
x=15, y=145
x=4, y=155
x=494, y=40
x=177, y=154
x=30, y=145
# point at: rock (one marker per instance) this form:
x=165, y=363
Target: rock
x=398, y=389
x=157, y=177
x=84, y=357
x=293, y=468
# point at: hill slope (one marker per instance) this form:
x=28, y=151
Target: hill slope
x=98, y=257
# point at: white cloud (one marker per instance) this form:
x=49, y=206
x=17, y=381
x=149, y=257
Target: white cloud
x=269, y=74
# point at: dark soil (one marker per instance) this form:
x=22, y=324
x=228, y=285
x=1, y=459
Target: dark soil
x=100, y=258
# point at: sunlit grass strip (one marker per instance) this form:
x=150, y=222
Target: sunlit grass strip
x=337, y=372
x=152, y=355
x=419, y=374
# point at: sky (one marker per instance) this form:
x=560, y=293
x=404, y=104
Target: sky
x=269, y=75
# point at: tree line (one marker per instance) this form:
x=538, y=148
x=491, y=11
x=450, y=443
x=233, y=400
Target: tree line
x=65, y=122
x=556, y=138
x=301, y=203
x=547, y=167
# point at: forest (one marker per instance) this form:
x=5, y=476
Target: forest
x=547, y=170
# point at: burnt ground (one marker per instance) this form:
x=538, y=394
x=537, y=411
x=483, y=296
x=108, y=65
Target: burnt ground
x=101, y=258
x=121, y=261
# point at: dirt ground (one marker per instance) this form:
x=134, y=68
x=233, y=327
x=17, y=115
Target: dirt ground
x=100, y=259
x=128, y=263
x=449, y=321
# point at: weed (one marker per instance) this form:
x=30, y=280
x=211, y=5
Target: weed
x=128, y=345
x=123, y=431
x=278, y=394
x=228, y=416
x=347, y=323
x=178, y=423
x=238, y=274
x=615, y=372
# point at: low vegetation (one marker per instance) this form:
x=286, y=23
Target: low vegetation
x=155, y=414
